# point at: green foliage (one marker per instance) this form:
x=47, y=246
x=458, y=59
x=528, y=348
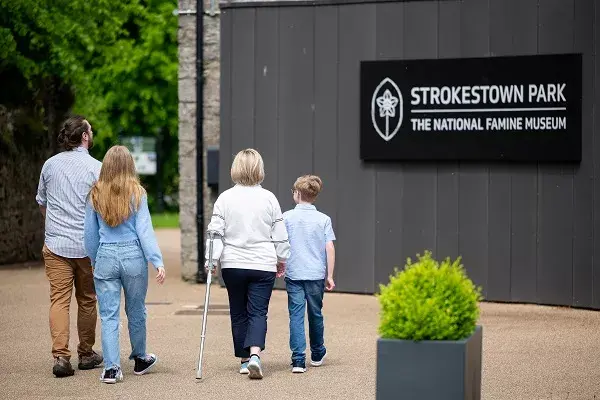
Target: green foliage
x=134, y=91
x=135, y=88
x=59, y=38
x=429, y=301
x=118, y=58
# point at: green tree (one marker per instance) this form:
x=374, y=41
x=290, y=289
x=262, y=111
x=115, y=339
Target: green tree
x=59, y=38
x=135, y=88
x=116, y=61
x=46, y=49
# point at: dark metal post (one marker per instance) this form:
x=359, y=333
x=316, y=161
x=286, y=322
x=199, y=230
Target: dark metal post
x=201, y=275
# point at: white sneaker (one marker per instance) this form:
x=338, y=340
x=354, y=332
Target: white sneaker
x=318, y=362
x=298, y=367
x=255, y=368
x=244, y=368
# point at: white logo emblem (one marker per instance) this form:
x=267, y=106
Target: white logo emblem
x=386, y=108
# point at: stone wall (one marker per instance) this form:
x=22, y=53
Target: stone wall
x=187, y=124
x=21, y=222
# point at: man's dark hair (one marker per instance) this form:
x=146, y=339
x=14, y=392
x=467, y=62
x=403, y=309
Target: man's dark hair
x=71, y=134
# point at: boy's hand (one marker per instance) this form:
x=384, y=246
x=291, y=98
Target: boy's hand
x=280, y=269
x=330, y=284
x=160, y=276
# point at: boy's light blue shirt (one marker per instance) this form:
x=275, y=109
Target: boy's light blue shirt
x=137, y=227
x=309, y=231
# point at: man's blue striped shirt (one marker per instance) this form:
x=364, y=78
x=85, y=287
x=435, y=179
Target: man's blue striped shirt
x=65, y=182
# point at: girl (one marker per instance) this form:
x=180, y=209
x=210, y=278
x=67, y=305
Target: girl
x=119, y=239
x=251, y=244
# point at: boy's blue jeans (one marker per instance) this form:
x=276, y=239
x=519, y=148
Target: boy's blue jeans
x=121, y=265
x=301, y=294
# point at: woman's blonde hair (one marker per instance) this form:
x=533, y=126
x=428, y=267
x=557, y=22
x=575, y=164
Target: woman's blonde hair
x=118, y=185
x=248, y=168
x=309, y=187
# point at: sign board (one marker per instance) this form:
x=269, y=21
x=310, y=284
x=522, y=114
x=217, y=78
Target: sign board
x=524, y=108
x=143, y=150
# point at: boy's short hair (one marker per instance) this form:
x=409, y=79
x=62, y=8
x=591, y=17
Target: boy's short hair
x=309, y=187
x=248, y=168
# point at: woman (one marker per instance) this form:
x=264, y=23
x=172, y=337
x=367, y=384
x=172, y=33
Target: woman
x=251, y=244
x=120, y=240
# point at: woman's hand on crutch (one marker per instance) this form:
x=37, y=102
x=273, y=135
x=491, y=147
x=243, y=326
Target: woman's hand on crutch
x=214, y=268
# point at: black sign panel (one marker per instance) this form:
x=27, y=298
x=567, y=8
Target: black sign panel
x=524, y=108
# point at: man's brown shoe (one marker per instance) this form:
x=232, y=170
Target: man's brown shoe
x=91, y=361
x=62, y=368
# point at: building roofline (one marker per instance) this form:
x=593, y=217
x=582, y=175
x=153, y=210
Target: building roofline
x=225, y=4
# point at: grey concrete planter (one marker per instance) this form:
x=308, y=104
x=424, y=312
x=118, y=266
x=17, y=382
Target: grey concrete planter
x=429, y=370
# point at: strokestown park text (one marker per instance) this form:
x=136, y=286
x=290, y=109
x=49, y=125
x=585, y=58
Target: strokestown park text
x=508, y=100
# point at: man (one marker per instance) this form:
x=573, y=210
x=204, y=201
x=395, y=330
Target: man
x=65, y=182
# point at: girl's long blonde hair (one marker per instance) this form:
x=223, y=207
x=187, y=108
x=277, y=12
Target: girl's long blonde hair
x=118, y=192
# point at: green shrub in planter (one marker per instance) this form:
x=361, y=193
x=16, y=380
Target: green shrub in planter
x=429, y=301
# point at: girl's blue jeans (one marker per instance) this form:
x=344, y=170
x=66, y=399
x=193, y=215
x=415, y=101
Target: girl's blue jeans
x=121, y=265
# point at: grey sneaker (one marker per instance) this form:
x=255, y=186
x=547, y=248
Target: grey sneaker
x=90, y=362
x=62, y=368
x=255, y=368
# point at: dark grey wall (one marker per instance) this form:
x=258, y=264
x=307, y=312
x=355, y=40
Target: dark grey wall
x=290, y=88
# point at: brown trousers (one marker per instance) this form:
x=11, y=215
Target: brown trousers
x=63, y=273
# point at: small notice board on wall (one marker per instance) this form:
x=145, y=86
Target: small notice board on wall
x=522, y=108
x=143, y=151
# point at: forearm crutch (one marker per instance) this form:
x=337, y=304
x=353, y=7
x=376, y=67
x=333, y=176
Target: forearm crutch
x=211, y=236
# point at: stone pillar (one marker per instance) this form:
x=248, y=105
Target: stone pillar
x=187, y=125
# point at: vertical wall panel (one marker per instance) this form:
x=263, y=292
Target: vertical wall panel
x=266, y=76
x=583, y=229
x=555, y=229
x=225, y=151
x=389, y=177
x=523, y=193
x=326, y=106
x=296, y=98
x=242, y=80
x=356, y=201
x=446, y=212
x=418, y=205
x=389, y=224
x=498, y=282
x=473, y=177
x=596, y=145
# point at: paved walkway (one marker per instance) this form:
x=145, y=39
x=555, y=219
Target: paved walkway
x=530, y=352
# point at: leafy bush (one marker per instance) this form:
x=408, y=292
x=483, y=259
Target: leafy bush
x=429, y=301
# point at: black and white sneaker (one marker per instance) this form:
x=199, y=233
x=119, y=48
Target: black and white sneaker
x=111, y=375
x=318, y=360
x=298, y=367
x=144, y=364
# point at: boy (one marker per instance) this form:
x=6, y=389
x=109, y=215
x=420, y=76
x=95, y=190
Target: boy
x=309, y=270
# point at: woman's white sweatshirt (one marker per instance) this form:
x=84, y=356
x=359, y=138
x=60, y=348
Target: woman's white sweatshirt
x=249, y=228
